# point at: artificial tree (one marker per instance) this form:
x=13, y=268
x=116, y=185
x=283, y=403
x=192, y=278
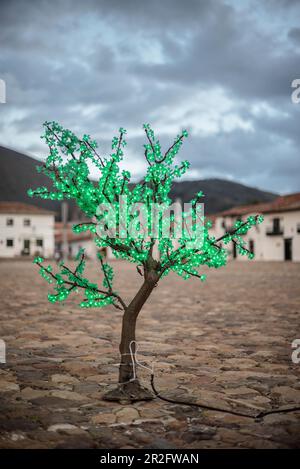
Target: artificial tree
x=68, y=165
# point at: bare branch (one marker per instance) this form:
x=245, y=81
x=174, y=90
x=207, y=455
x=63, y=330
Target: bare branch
x=170, y=149
x=78, y=284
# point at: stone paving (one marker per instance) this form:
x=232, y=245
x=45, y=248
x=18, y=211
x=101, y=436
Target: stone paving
x=226, y=342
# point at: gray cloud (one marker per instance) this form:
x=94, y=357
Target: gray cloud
x=294, y=35
x=221, y=69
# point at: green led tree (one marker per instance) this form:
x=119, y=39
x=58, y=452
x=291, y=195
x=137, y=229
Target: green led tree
x=68, y=166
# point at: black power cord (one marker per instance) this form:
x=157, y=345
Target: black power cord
x=278, y=411
x=261, y=415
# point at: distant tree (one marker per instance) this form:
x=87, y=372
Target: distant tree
x=68, y=166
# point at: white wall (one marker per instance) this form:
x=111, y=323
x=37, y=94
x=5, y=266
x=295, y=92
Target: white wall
x=87, y=244
x=266, y=247
x=41, y=227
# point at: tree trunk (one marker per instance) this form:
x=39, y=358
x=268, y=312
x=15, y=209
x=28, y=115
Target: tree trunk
x=129, y=326
x=130, y=389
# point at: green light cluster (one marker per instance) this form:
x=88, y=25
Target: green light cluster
x=68, y=165
x=67, y=281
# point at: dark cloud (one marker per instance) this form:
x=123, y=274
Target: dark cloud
x=223, y=69
x=294, y=35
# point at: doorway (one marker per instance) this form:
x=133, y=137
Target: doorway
x=251, y=246
x=234, y=251
x=288, y=253
x=26, y=247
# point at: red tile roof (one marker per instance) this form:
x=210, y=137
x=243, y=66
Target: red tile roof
x=21, y=208
x=71, y=236
x=290, y=201
x=282, y=203
x=245, y=209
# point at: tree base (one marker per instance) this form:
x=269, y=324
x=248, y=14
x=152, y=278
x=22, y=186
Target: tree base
x=128, y=393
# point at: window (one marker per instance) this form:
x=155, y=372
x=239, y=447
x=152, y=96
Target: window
x=251, y=246
x=276, y=229
x=9, y=222
x=276, y=225
x=26, y=221
x=39, y=243
x=9, y=243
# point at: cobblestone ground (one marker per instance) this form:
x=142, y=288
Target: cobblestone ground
x=225, y=343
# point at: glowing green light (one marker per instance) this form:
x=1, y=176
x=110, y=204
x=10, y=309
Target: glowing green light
x=68, y=166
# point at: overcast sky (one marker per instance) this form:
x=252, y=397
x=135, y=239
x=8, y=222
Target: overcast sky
x=220, y=69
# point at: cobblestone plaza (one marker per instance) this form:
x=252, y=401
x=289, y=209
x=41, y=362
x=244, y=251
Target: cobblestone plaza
x=226, y=342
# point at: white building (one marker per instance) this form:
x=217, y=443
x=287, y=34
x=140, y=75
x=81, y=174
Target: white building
x=276, y=239
x=25, y=230
x=75, y=241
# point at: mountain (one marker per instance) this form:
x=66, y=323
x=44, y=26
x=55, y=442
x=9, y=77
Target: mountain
x=18, y=174
x=220, y=194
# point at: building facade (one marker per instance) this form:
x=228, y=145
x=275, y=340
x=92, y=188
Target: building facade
x=276, y=239
x=74, y=241
x=25, y=230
